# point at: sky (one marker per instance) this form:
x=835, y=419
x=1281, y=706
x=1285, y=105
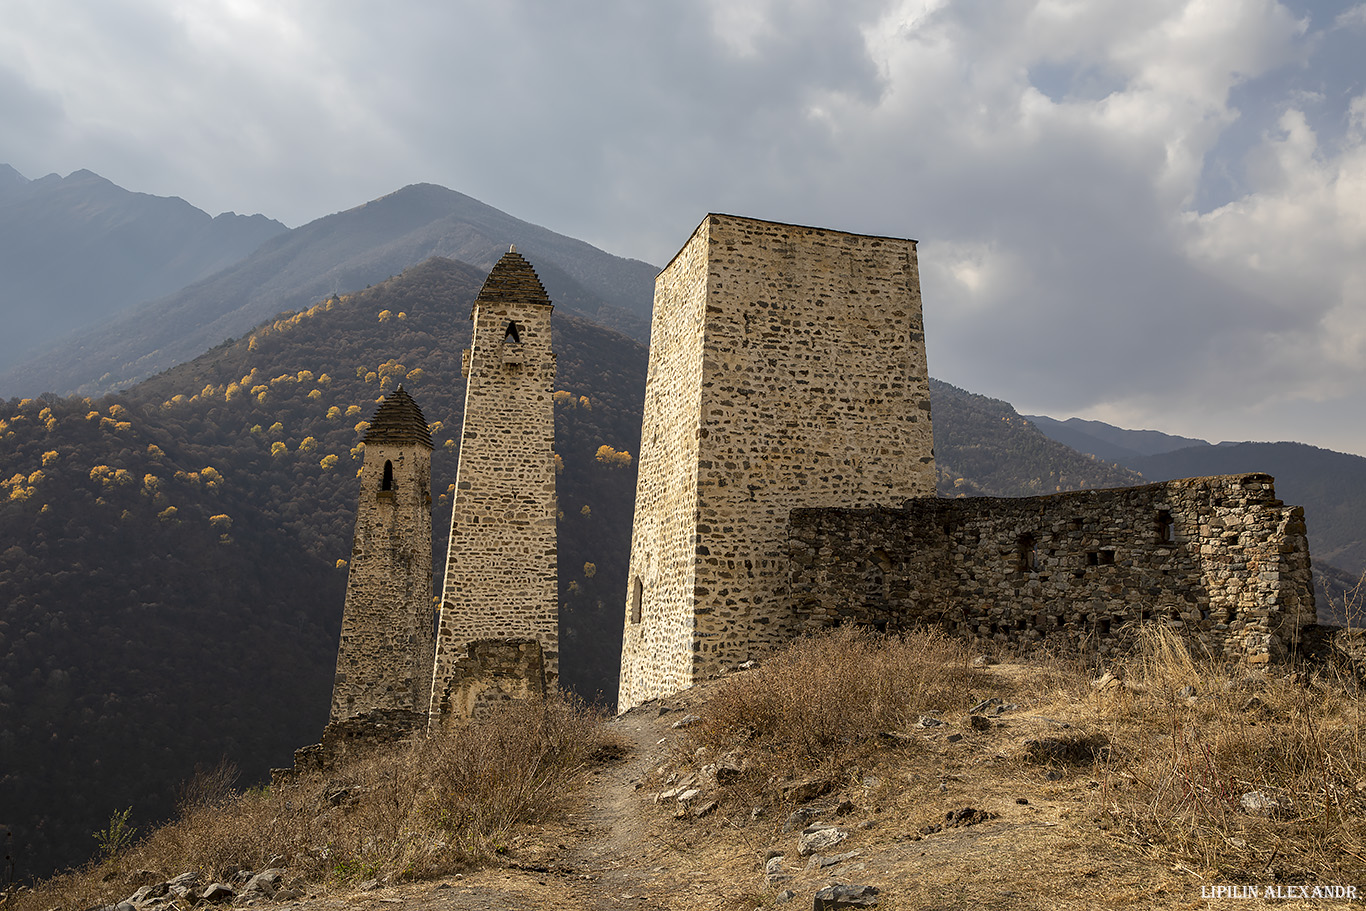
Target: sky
x=1151, y=214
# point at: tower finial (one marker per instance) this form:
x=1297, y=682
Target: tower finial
x=512, y=248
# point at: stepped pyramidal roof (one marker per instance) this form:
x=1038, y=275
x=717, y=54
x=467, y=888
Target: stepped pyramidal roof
x=513, y=280
x=399, y=421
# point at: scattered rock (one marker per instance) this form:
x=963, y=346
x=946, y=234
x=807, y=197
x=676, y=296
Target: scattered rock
x=729, y=767
x=147, y=893
x=955, y=819
x=842, y=895
x=927, y=721
x=954, y=738
x=689, y=795
x=686, y=720
x=808, y=789
x=980, y=722
x=704, y=809
x=797, y=819
x=984, y=705
x=821, y=861
x=218, y=892
x=819, y=837
x=774, y=864
x=984, y=661
x=845, y=807
x=1266, y=803
x=1187, y=691
x=266, y=883
x=369, y=885
x=784, y=897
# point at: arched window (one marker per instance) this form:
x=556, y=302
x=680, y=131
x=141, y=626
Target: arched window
x=388, y=482
x=512, y=333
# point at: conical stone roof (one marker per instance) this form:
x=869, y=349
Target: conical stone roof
x=513, y=281
x=399, y=421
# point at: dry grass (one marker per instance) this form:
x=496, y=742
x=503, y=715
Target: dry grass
x=1182, y=765
x=826, y=700
x=436, y=805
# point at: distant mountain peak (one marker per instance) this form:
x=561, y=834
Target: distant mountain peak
x=10, y=178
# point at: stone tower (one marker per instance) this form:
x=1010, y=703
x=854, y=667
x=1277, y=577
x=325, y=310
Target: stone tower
x=501, y=580
x=384, y=661
x=787, y=369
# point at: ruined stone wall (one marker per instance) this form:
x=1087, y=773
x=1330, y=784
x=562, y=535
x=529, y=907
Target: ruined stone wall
x=492, y=673
x=500, y=578
x=384, y=658
x=1220, y=560
x=787, y=369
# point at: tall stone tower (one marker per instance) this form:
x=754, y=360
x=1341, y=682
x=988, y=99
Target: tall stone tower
x=501, y=581
x=384, y=661
x=787, y=369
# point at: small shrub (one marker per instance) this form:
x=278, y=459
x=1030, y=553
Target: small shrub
x=117, y=836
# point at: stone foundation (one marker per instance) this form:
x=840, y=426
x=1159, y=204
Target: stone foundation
x=490, y=674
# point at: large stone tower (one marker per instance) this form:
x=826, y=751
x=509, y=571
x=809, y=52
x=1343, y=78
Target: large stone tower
x=787, y=369
x=384, y=661
x=500, y=568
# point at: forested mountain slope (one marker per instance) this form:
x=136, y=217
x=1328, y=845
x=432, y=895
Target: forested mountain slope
x=171, y=588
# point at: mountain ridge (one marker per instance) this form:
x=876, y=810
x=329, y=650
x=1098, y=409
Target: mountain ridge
x=358, y=247
x=75, y=250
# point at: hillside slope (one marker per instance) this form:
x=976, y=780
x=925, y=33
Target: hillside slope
x=345, y=251
x=984, y=448
x=1108, y=442
x=75, y=250
x=171, y=591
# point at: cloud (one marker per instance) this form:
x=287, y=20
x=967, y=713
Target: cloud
x=1141, y=212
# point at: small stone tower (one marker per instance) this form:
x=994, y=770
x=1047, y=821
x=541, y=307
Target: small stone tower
x=501, y=581
x=384, y=661
x=787, y=369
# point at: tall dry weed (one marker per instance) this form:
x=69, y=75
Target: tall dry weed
x=1248, y=774
x=434, y=805
x=825, y=694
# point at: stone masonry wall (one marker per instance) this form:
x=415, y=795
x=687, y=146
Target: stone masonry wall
x=384, y=658
x=500, y=578
x=492, y=673
x=1220, y=560
x=787, y=369
x=657, y=647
